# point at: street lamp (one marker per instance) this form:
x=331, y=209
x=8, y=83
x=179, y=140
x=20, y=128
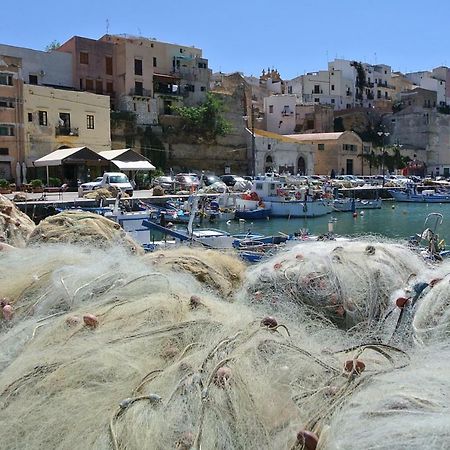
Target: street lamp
x=383, y=134
x=253, y=161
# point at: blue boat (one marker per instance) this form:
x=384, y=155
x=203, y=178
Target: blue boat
x=252, y=214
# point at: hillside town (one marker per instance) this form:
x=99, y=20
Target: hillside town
x=130, y=92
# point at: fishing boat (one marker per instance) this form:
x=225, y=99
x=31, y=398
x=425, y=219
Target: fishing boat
x=252, y=214
x=352, y=204
x=410, y=194
x=286, y=202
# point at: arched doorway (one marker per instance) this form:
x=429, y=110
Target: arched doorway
x=301, y=166
x=269, y=164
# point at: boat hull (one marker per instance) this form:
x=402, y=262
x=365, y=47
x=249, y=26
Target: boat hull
x=293, y=209
x=419, y=198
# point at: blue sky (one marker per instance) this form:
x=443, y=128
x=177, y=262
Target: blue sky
x=293, y=36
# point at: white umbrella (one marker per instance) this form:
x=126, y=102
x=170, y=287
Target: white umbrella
x=24, y=173
x=18, y=177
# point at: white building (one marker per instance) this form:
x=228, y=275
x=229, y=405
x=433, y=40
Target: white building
x=43, y=68
x=274, y=152
x=279, y=111
x=428, y=80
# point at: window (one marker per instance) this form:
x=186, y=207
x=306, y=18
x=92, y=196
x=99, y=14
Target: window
x=181, y=50
x=6, y=79
x=134, y=106
x=89, y=85
x=321, y=146
x=108, y=65
x=64, y=120
x=349, y=147
x=90, y=122
x=310, y=124
x=138, y=88
x=4, y=151
x=43, y=118
x=138, y=66
x=81, y=83
x=270, y=108
x=202, y=65
x=332, y=87
x=109, y=87
x=189, y=88
x=6, y=130
x=332, y=101
x=316, y=89
x=30, y=117
x=84, y=58
x=99, y=86
x=6, y=103
x=289, y=89
x=317, y=100
x=203, y=88
x=32, y=79
x=154, y=62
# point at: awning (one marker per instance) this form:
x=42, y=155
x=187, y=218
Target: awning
x=128, y=159
x=133, y=165
x=165, y=78
x=75, y=155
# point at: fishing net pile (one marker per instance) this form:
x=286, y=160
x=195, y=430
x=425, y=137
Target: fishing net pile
x=82, y=227
x=347, y=283
x=140, y=352
x=219, y=272
x=15, y=226
x=104, y=192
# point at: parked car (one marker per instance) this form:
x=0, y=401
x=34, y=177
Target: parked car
x=207, y=180
x=115, y=179
x=186, y=181
x=89, y=186
x=166, y=182
x=231, y=180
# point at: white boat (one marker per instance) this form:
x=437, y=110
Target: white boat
x=286, y=202
x=426, y=196
x=351, y=204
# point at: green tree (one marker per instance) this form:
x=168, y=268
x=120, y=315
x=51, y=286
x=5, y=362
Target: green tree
x=52, y=46
x=206, y=119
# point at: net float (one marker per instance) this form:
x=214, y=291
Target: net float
x=269, y=322
x=90, y=320
x=307, y=439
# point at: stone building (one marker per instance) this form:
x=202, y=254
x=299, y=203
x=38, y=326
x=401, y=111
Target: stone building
x=340, y=152
x=276, y=152
x=55, y=118
x=11, y=116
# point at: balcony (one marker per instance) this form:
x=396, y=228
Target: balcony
x=140, y=92
x=66, y=131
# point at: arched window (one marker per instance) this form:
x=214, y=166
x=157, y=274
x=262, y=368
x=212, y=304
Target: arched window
x=301, y=166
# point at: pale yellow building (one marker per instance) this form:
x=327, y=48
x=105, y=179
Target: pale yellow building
x=55, y=118
x=340, y=152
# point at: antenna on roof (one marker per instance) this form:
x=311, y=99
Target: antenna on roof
x=107, y=26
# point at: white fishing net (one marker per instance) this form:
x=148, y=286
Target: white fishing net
x=101, y=348
x=15, y=226
x=82, y=227
x=345, y=282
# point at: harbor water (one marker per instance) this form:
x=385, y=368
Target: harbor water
x=393, y=220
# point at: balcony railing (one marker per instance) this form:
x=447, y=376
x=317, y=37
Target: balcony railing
x=66, y=131
x=141, y=92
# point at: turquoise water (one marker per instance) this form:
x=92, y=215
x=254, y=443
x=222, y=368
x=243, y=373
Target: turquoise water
x=402, y=221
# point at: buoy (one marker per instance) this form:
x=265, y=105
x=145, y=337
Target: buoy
x=307, y=439
x=393, y=206
x=361, y=213
x=223, y=375
x=8, y=312
x=401, y=302
x=90, y=320
x=228, y=222
x=269, y=322
x=355, y=214
x=241, y=220
x=354, y=366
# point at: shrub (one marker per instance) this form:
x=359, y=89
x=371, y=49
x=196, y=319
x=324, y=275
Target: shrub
x=54, y=181
x=37, y=183
x=4, y=184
